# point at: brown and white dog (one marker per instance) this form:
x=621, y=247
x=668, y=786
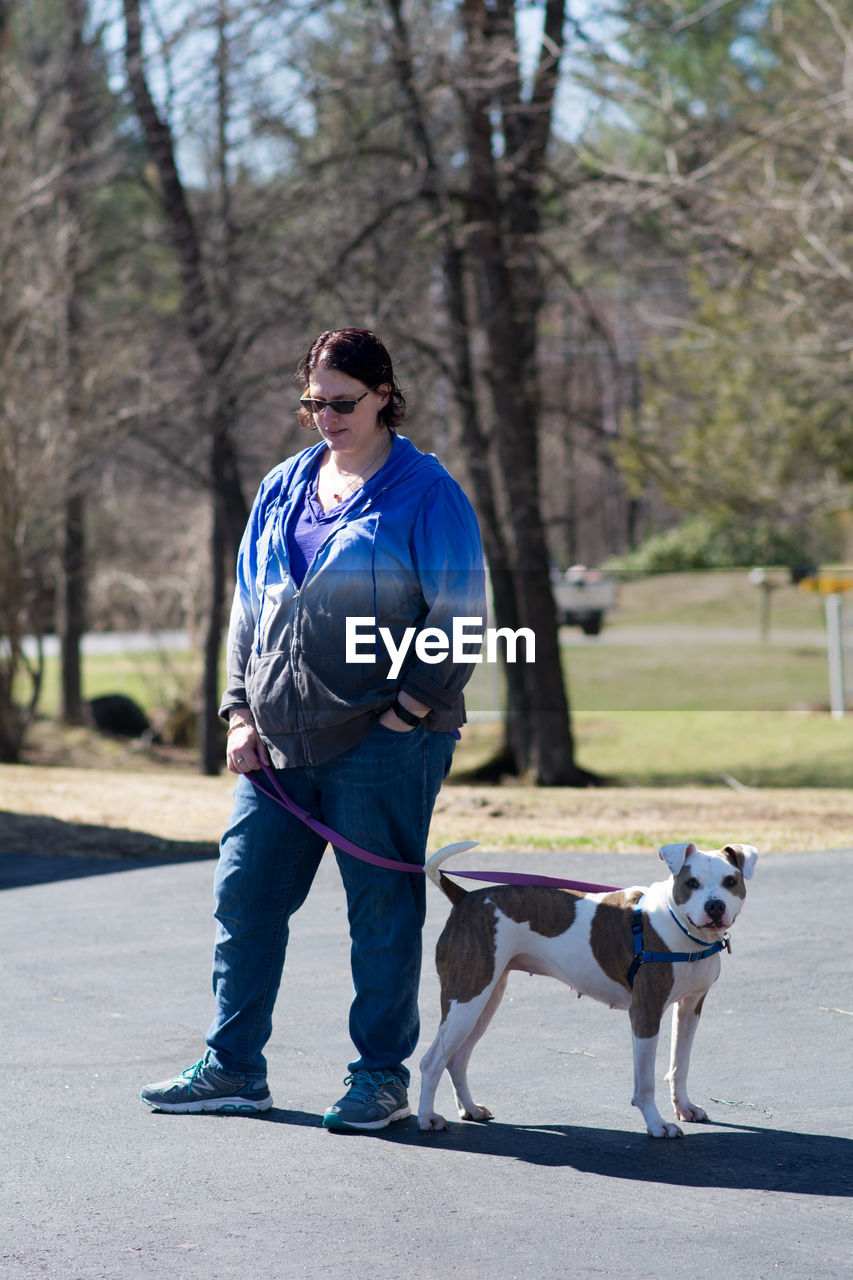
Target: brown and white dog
x=587, y=940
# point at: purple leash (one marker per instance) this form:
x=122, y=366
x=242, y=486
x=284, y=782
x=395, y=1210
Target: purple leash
x=276, y=792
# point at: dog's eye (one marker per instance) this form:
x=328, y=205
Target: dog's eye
x=692, y=883
x=730, y=882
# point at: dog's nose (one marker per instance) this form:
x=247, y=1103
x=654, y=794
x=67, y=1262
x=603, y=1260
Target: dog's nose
x=715, y=909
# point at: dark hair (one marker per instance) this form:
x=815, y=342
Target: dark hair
x=359, y=354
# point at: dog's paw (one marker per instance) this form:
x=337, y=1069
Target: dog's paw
x=665, y=1130
x=687, y=1111
x=477, y=1112
x=433, y=1123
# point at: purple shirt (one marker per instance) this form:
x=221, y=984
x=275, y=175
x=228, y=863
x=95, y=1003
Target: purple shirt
x=310, y=527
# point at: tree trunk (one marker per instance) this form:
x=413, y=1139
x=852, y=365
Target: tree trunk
x=538, y=737
x=213, y=341
x=72, y=621
x=210, y=736
x=504, y=204
x=73, y=613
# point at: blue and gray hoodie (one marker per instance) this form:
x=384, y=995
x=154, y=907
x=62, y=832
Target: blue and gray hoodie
x=407, y=554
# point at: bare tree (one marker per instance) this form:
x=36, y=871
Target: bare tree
x=77, y=127
x=489, y=226
x=212, y=330
x=30, y=160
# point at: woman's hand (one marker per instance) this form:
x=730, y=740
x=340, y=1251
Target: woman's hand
x=246, y=750
x=390, y=720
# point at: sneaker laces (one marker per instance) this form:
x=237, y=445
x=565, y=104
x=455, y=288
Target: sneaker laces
x=190, y=1074
x=364, y=1085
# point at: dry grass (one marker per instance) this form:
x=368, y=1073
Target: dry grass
x=85, y=793
x=88, y=811
x=636, y=819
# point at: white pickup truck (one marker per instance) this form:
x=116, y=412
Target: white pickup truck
x=582, y=597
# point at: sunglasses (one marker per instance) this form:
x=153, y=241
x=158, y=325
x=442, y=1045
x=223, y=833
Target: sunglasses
x=337, y=406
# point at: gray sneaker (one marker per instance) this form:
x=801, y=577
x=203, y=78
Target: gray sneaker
x=203, y=1087
x=373, y=1100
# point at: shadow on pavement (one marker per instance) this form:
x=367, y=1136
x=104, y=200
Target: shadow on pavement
x=275, y=1115
x=67, y=850
x=724, y=1156
x=731, y=1157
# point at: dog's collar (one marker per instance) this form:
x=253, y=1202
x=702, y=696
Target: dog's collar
x=642, y=956
x=700, y=942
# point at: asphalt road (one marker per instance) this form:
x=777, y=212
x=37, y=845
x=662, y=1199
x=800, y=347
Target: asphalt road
x=106, y=987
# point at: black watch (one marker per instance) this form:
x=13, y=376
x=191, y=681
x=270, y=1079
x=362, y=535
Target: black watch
x=404, y=714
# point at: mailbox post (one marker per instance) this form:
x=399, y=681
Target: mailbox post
x=766, y=586
x=835, y=654
x=832, y=586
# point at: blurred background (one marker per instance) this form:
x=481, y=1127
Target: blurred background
x=610, y=248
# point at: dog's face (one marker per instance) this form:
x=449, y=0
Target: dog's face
x=708, y=887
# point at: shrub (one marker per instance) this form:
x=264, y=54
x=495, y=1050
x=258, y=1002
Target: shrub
x=709, y=542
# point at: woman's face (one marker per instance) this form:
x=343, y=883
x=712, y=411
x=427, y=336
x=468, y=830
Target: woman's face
x=350, y=434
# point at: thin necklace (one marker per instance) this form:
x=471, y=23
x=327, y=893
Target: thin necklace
x=358, y=481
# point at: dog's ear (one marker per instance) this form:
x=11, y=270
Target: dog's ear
x=675, y=855
x=744, y=856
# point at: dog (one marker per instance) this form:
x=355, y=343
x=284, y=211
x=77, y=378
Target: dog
x=640, y=949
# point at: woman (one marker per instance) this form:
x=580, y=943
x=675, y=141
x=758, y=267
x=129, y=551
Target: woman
x=359, y=526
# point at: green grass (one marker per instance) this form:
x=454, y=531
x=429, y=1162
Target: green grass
x=644, y=715
x=681, y=748
x=710, y=721
x=778, y=749
x=156, y=680
x=717, y=598
x=641, y=677
x=679, y=711
x=696, y=677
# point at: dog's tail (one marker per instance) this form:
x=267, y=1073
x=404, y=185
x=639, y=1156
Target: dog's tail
x=452, y=891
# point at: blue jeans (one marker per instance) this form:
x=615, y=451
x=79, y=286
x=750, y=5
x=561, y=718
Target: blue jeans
x=380, y=794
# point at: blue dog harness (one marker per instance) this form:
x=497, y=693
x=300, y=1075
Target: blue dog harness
x=645, y=957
